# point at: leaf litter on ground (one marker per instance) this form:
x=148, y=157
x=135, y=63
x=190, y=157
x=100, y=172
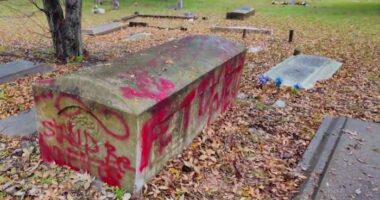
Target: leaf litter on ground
x=250, y=152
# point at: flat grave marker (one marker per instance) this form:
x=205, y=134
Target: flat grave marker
x=304, y=70
x=104, y=28
x=19, y=68
x=22, y=124
x=342, y=160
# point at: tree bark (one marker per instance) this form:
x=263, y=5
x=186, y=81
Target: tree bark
x=65, y=29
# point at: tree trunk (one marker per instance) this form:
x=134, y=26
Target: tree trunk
x=65, y=29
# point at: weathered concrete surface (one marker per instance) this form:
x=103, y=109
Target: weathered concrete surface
x=22, y=124
x=342, y=161
x=104, y=28
x=240, y=13
x=304, y=70
x=122, y=123
x=241, y=29
x=19, y=68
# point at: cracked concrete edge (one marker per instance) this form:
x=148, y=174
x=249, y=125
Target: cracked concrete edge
x=318, y=154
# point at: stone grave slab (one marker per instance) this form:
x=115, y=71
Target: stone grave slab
x=342, y=161
x=19, y=68
x=241, y=29
x=123, y=123
x=193, y=17
x=240, y=13
x=304, y=70
x=104, y=28
x=22, y=124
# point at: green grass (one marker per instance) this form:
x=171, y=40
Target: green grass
x=119, y=193
x=361, y=14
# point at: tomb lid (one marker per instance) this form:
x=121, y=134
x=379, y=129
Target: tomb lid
x=143, y=79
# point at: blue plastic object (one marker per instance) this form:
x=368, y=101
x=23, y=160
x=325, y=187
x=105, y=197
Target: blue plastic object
x=278, y=81
x=263, y=79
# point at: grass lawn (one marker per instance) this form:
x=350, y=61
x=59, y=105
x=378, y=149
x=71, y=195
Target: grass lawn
x=361, y=14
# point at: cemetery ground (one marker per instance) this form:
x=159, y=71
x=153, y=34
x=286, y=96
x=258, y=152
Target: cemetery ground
x=251, y=152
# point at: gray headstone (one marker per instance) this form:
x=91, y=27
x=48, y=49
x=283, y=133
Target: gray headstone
x=292, y=2
x=304, y=70
x=177, y=6
x=180, y=4
x=104, y=28
x=16, y=69
x=240, y=13
x=22, y=124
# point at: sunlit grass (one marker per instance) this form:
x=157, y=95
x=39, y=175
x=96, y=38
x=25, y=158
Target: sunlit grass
x=362, y=15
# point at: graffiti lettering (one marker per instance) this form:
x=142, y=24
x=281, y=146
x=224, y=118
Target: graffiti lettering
x=110, y=169
x=75, y=131
x=155, y=129
x=214, y=94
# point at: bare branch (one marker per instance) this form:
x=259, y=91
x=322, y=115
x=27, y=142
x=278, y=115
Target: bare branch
x=40, y=34
x=38, y=7
x=29, y=16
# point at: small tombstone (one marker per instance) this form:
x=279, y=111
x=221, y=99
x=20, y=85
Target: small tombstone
x=241, y=13
x=177, y=6
x=180, y=4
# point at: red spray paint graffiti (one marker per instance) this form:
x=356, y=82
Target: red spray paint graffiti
x=148, y=87
x=110, y=169
x=155, y=129
x=78, y=106
x=43, y=95
x=214, y=94
x=45, y=81
x=76, y=145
